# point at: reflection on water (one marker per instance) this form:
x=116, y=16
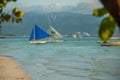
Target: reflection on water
x=82, y=59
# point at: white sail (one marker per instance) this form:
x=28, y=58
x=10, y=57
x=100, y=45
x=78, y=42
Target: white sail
x=54, y=33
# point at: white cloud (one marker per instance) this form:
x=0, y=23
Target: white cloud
x=53, y=7
x=85, y=7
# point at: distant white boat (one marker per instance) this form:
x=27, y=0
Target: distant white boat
x=86, y=34
x=76, y=35
x=38, y=36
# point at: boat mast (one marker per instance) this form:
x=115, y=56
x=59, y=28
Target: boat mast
x=34, y=32
x=49, y=22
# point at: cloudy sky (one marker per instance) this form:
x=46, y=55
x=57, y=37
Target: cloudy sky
x=81, y=6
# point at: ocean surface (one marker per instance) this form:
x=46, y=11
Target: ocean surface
x=73, y=59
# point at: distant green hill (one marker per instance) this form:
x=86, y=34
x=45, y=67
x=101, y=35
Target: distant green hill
x=64, y=22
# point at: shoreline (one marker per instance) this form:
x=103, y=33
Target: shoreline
x=10, y=70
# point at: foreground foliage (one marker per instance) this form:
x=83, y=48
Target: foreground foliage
x=15, y=16
x=107, y=25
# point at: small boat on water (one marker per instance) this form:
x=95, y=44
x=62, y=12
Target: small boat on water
x=2, y=36
x=54, y=35
x=38, y=36
x=76, y=35
x=110, y=43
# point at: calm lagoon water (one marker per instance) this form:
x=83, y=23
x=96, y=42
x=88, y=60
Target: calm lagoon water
x=74, y=59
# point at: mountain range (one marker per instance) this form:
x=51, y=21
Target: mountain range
x=64, y=22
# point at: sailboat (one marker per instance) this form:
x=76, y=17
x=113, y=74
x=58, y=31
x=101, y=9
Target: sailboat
x=54, y=35
x=38, y=35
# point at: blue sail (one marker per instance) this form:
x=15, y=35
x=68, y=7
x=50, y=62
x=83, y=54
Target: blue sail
x=32, y=34
x=38, y=33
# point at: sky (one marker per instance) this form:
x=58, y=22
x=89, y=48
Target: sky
x=48, y=2
x=82, y=6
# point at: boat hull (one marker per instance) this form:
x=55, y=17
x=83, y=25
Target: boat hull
x=37, y=42
x=110, y=43
x=1, y=36
x=54, y=41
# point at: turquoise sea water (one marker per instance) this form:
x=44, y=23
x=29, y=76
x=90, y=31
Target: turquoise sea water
x=73, y=59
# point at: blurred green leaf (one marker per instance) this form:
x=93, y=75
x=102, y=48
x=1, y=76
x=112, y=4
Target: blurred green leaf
x=100, y=12
x=19, y=13
x=15, y=10
x=1, y=5
x=7, y=17
x=107, y=28
x=14, y=0
x=18, y=20
x=1, y=10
